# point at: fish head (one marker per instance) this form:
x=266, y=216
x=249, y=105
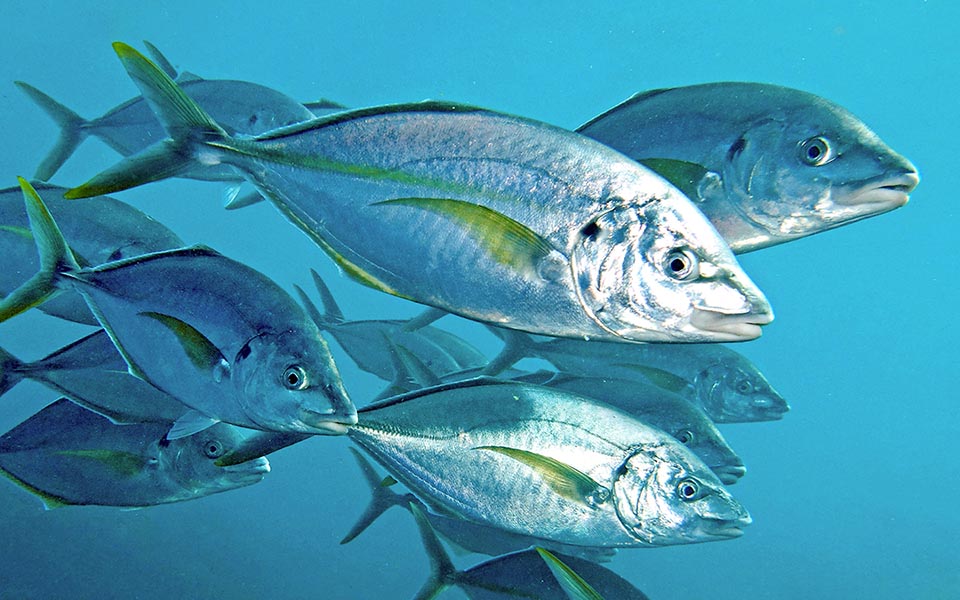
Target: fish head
x=733, y=390
x=190, y=461
x=666, y=495
x=659, y=271
x=703, y=438
x=289, y=382
x=811, y=168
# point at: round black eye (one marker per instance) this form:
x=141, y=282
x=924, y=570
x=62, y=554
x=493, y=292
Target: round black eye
x=688, y=489
x=685, y=437
x=816, y=151
x=744, y=387
x=295, y=378
x=213, y=449
x=682, y=264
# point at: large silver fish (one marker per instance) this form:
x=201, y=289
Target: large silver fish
x=767, y=164
x=719, y=380
x=217, y=335
x=92, y=373
x=547, y=464
x=100, y=230
x=493, y=217
x=67, y=454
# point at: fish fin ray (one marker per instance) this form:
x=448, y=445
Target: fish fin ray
x=563, y=479
x=333, y=314
x=161, y=61
x=662, y=379
x=382, y=498
x=425, y=318
x=11, y=371
x=442, y=570
x=684, y=175
x=203, y=353
x=572, y=584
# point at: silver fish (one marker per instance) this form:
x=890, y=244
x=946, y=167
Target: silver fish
x=100, y=230
x=496, y=218
x=217, y=335
x=719, y=380
x=92, y=373
x=548, y=464
x=67, y=454
x=766, y=164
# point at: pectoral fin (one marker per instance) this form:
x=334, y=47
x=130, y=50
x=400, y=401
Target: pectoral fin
x=660, y=378
x=574, y=585
x=124, y=464
x=562, y=478
x=201, y=351
x=189, y=423
x=509, y=242
x=685, y=176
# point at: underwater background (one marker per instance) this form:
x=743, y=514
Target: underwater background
x=853, y=494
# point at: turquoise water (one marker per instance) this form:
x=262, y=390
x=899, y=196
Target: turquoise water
x=853, y=494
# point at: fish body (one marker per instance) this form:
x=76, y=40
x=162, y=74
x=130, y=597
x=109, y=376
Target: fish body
x=766, y=164
x=67, y=454
x=726, y=385
x=496, y=218
x=370, y=342
x=100, y=230
x=238, y=106
x=217, y=335
x=92, y=373
x=664, y=410
x=547, y=464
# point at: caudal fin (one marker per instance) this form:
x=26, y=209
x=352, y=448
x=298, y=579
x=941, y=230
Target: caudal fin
x=443, y=573
x=187, y=124
x=72, y=131
x=382, y=497
x=55, y=258
x=11, y=371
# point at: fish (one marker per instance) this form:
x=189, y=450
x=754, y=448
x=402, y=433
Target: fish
x=368, y=342
x=652, y=405
x=215, y=334
x=496, y=218
x=725, y=384
x=537, y=574
x=766, y=164
x=68, y=455
x=547, y=464
x=100, y=230
x=92, y=373
x=241, y=107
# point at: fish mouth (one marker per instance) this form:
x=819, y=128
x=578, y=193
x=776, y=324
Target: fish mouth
x=884, y=194
x=729, y=474
x=330, y=422
x=727, y=528
x=255, y=468
x=725, y=327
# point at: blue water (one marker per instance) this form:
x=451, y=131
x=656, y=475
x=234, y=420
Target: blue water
x=853, y=494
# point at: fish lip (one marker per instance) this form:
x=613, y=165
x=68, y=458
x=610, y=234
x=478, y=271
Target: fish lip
x=732, y=327
x=729, y=474
x=884, y=193
x=329, y=422
x=727, y=528
x=257, y=466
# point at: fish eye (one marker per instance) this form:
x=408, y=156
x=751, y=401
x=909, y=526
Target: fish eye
x=685, y=436
x=213, y=448
x=816, y=151
x=743, y=387
x=295, y=378
x=688, y=489
x=682, y=264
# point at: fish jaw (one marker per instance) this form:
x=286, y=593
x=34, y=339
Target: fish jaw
x=882, y=194
x=726, y=528
x=727, y=327
x=330, y=422
x=729, y=474
x=249, y=472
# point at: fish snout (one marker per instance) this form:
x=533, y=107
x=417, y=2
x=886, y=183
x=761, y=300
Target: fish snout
x=724, y=516
x=729, y=474
x=733, y=327
x=331, y=421
x=250, y=471
x=892, y=190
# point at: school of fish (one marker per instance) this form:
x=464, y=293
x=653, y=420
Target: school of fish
x=608, y=252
